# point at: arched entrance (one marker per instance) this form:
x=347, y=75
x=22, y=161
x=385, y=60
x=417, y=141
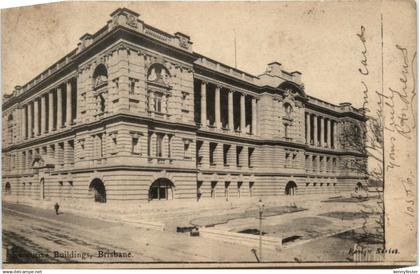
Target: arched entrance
x=98, y=189
x=291, y=188
x=7, y=189
x=161, y=189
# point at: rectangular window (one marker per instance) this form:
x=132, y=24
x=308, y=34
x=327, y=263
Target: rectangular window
x=250, y=158
x=251, y=189
x=239, y=188
x=226, y=149
x=199, y=157
x=294, y=159
x=213, y=189
x=199, y=184
x=113, y=142
x=314, y=165
x=158, y=102
x=307, y=163
x=184, y=100
x=227, y=184
x=82, y=148
x=159, y=145
x=24, y=159
x=287, y=159
x=238, y=156
x=116, y=83
x=99, y=149
x=328, y=164
x=212, y=153
x=133, y=85
x=135, y=145
x=169, y=137
x=187, y=144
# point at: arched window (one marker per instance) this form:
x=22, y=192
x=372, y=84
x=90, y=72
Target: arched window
x=100, y=76
x=161, y=189
x=159, y=74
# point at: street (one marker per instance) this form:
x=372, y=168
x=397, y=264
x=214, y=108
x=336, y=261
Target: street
x=42, y=233
x=36, y=235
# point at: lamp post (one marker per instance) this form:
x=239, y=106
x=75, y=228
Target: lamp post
x=260, y=211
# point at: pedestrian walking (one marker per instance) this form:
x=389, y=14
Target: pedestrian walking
x=56, y=207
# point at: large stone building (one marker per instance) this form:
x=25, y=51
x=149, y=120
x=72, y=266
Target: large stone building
x=133, y=113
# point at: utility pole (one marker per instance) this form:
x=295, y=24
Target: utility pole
x=260, y=210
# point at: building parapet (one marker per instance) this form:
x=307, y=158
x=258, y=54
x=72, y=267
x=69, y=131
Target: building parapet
x=121, y=17
x=225, y=69
x=341, y=108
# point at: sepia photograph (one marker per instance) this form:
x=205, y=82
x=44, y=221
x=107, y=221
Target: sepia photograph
x=209, y=134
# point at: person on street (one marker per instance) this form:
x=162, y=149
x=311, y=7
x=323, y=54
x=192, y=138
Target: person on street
x=56, y=207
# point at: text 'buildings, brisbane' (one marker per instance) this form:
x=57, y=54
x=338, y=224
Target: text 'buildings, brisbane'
x=133, y=113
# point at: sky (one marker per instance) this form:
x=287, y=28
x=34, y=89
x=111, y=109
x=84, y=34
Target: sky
x=316, y=38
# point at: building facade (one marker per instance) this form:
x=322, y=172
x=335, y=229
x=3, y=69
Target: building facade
x=134, y=114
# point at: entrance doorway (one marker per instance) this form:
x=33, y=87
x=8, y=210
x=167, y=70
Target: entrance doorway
x=97, y=187
x=291, y=188
x=7, y=189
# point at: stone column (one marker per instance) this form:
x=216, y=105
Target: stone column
x=217, y=107
x=230, y=110
x=30, y=120
x=321, y=142
x=243, y=126
x=59, y=108
x=315, y=130
x=254, y=116
x=68, y=104
x=50, y=111
x=36, y=117
x=203, y=105
x=334, y=124
x=308, y=128
x=329, y=133
x=24, y=136
x=43, y=114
